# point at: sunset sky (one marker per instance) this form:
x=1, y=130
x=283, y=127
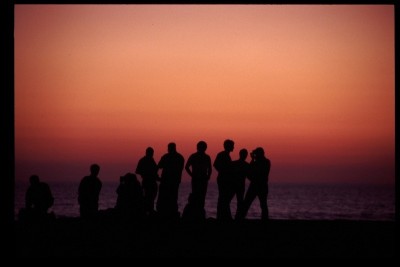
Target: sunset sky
x=313, y=85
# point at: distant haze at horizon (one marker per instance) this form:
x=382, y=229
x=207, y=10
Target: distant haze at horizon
x=311, y=84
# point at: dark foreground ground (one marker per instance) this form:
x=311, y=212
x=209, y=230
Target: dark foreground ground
x=71, y=237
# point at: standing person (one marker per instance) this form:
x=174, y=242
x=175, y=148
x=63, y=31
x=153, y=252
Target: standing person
x=258, y=176
x=88, y=195
x=240, y=170
x=38, y=198
x=147, y=168
x=223, y=164
x=199, y=168
x=172, y=166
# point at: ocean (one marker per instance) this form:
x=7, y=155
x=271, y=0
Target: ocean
x=285, y=201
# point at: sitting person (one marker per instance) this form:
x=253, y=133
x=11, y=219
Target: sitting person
x=38, y=199
x=194, y=210
x=130, y=196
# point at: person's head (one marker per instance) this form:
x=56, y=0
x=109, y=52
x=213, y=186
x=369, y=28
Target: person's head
x=130, y=178
x=94, y=169
x=259, y=152
x=171, y=147
x=149, y=152
x=243, y=154
x=229, y=145
x=201, y=146
x=34, y=179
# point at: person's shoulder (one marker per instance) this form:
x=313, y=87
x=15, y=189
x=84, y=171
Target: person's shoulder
x=220, y=154
x=45, y=184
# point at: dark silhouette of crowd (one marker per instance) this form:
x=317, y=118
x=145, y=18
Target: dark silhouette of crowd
x=139, y=200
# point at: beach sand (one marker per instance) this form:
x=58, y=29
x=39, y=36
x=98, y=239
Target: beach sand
x=71, y=237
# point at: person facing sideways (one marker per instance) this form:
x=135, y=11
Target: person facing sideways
x=223, y=164
x=38, y=198
x=199, y=168
x=88, y=194
x=172, y=165
x=147, y=169
x=240, y=171
x=258, y=176
x=130, y=197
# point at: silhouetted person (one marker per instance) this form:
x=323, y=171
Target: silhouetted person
x=38, y=198
x=172, y=166
x=194, y=211
x=240, y=170
x=130, y=196
x=148, y=170
x=199, y=168
x=88, y=194
x=223, y=164
x=258, y=176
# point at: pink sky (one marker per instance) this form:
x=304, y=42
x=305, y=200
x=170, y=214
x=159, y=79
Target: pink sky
x=313, y=85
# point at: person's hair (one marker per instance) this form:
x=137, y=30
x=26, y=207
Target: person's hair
x=228, y=143
x=149, y=151
x=94, y=169
x=34, y=179
x=201, y=146
x=243, y=153
x=171, y=147
x=259, y=151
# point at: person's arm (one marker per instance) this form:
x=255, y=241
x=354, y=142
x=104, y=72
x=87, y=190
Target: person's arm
x=139, y=168
x=182, y=163
x=217, y=163
x=28, y=199
x=187, y=166
x=209, y=168
x=160, y=164
x=80, y=192
x=50, y=197
x=268, y=168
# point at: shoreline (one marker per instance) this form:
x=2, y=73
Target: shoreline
x=72, y=237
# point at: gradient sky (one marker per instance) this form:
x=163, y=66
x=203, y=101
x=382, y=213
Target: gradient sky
x=312, y=85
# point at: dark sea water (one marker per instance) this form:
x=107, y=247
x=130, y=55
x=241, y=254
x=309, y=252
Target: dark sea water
x=285, y=201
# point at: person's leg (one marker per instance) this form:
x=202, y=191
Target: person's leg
x=240, y=188
x=248, y=199
x=262, y=196
x=152, y=196
x=223, y=206
x=203, y=192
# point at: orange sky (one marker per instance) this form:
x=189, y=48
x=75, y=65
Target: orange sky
x=313, y=85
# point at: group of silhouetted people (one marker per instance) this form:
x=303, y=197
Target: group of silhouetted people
x=137, y=199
